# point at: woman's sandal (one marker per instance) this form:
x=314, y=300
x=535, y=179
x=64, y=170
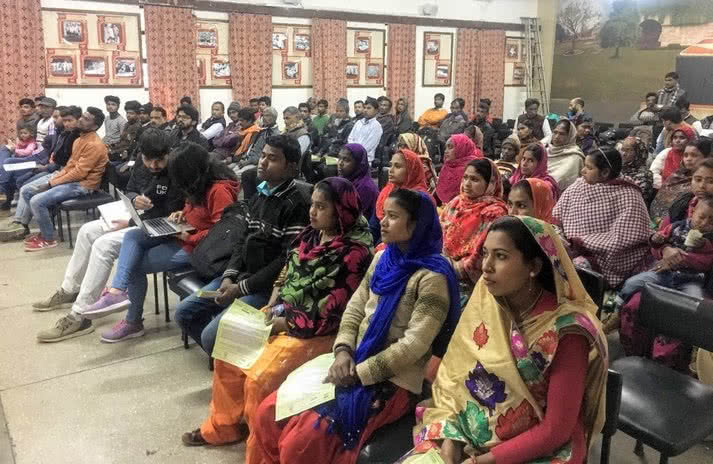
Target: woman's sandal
x=194, y=438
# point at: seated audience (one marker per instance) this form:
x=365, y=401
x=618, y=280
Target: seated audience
x=649, y=115
x=669, y=160
x=114, y=124
x=406, y=172
x=306, y=115
x=455, y=122
x=247, y=164
x=585, y=136
x=185, y=131
x=531, y=197
x=320, y=120
x=21, y=151
x=672, y=120
x=481, y=121
x=215, y=124
x=25, y=144
x=433, y=117
x=408, y=298
x=465, y=220
x=565, y=159
x=576, y=113
x=684, y=107
x=264, y=230
x=226, y=142
x=159, y=118
x=460, y=151
x=634, y=154
x=525, y=391
x=540, y=125
x=338, y=129
x=367, y=131
x=701, y=183
x=45, y=124
x=526, y=134
x=388, y=128
x=96, y=248
x=402, y=119
x=358, y=110
x=81, y=175
x=254, y=104
x=353, y=165
x=604, y=219
x=509, y=156
x=533, y=164
x=680, y=181
x=26, y=108
x=296, y=130
x=415, y=143
x=262, y=104
x=119, y=151
x=248, y=131
x=208, y=188
x=324, y=268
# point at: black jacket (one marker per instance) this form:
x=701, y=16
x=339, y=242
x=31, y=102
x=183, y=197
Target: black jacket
x=193, y=136
x=264, y=232
x=157, y=187
x=336, y=137
x=488, y=137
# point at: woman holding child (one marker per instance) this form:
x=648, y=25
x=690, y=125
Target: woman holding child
x=523, y=379
x=408, y=299
x=323, y=270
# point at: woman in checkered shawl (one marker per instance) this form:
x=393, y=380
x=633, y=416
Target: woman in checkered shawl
x=604, y=218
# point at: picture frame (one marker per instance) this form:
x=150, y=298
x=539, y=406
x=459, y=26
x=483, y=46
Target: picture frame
x=437, y=59
x=125, y=67
x=303, y=43
x=291, y=70
x=94, y=66
x=373, y=71
x=73, y=31
x=352, y=71
x=362, y=44
x=220, y=69
x=207, y=38
x=62, y=65
x=513, y=50
x=366, y=54
x=111, y=33
x=279, y=41
x=291, y=55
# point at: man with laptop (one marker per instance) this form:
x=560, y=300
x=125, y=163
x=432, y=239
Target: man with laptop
x=99, y=242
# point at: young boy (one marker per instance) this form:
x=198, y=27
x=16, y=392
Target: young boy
x=684, y=252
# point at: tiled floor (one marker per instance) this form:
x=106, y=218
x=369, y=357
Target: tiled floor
x=83, y=401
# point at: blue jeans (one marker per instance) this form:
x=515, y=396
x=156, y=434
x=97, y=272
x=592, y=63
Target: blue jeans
x=40, y=204
x=23, y=214
x=8, y=179
x=199, y=317
x=141, y=255
x=690, y=284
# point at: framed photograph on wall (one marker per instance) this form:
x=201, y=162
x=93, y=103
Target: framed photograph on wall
x=291, y=55
x=212, y=48
x=512, y=50
x=366, y=49
x=207, y=38
x=92, y=49
x=437, y=59
x=221, y=69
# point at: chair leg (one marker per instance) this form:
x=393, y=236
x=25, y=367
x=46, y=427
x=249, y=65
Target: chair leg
x=210, y=363
x=60, y=226
x=663, y=459
x=155, y=293
x=165, y=297
x=69, y=230
x=606, y=449
x=639, y=449
x=184, y=337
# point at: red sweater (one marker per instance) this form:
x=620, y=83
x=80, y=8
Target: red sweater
x=564, y=396
x=204, y=216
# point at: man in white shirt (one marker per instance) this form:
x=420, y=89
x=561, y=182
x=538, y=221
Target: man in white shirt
x=367, y=130
x=45, y=124
x=216, y=123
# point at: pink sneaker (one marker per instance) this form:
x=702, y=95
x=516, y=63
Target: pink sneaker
x=40, y=244
x=107, y=304
x=123, y=330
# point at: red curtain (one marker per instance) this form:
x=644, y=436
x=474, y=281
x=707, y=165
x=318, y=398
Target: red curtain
x=480, y=69
x=22, y=58
x=329, y=59
x=400, y=82
x=250, y=56
x=171, y=47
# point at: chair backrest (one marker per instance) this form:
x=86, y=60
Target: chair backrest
x=673, y=313
x=305, y=189
x=594, y=284
x=613, y=402
x=511, y=123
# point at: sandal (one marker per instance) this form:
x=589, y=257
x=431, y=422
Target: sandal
x=194, y=438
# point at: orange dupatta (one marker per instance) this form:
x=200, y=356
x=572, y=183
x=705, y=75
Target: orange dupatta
x=247, y=135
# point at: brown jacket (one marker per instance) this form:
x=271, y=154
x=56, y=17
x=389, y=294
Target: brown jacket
x=87, y=163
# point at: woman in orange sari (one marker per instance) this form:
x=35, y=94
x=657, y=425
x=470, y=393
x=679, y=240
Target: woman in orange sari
x=331, y=256
x=532, y=197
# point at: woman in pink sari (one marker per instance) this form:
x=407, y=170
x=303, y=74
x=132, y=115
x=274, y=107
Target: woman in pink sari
x=460, y=150
x=533, y=165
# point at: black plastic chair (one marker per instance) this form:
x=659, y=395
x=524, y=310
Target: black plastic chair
x=88, y=202
x=613, y=405
x=594, y=284
x=661, y=408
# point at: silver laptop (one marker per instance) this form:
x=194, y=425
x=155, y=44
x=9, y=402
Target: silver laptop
x=159, y=227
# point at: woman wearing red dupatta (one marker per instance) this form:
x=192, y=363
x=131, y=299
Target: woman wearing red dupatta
x=460, y=150
x=533, y=164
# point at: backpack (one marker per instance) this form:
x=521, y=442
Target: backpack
x=212, y=255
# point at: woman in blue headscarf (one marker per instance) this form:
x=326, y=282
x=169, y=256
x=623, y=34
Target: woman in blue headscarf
x=406, y=304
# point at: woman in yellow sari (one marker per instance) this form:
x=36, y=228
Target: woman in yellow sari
x=524, y=376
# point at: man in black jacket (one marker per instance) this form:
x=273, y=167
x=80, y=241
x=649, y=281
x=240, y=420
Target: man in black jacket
x=187, y=118
x=98, y=243
x=260, y=232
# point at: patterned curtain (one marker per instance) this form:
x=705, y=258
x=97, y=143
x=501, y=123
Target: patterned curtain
x=22, y=58
x=401, y=67
x=467, y=64
x=480, y=70
x=171, y=46
x=329, y=59
x=250, y=56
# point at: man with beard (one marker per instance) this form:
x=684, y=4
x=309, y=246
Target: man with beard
x=187, y=119
x=149, y=189
x=455, y=122
x=120, y=151
x=433, y=117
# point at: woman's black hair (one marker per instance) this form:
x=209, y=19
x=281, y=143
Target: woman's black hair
x=528, y=246
x=525, y=186
x=482, y=166
x=706, y=163
x=537, y=150
x=192, y=172
x=409, y=200
x=566, y=122
x=527, y=123
x=607, y=158
x=703, y=145
x=246, y=114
